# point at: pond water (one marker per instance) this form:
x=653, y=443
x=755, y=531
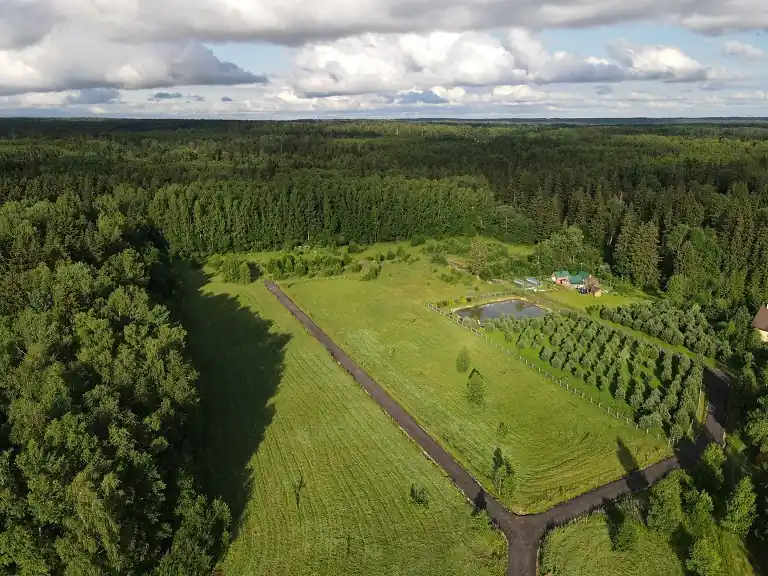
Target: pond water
x=515, y=308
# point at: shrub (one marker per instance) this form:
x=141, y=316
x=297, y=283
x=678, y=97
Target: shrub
x=417, y=240
x=419, y=496
x=353, y=248
x=475, y=388
x=390, y=254
x=244, y=273
x=438, y=258
x=355, y=267
x=462, y=360
x=372, y=272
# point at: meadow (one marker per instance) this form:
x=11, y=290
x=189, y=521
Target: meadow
x=317, y=476
x=558, y=444
x=584, y=548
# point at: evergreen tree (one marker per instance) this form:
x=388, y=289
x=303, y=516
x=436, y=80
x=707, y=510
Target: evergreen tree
x=462, y=360
x=644, y=256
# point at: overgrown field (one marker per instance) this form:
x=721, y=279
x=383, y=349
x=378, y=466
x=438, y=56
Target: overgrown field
x=584, y=548
x=318, y=477
x=558, y=444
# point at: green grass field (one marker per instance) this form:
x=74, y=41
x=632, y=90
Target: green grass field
x=573, y=299
x=559, y=444
x=277, y=409
x=584, y=548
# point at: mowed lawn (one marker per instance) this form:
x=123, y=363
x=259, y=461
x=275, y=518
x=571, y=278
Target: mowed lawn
x=563, y=297
x=282, y=418
x=584, y=548
x=560, y=445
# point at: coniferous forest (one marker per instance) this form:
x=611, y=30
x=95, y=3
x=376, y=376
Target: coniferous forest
x=99, y=472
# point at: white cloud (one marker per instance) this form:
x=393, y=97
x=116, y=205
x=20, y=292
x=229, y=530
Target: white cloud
x=68, y=60
x=396, y=62
x=352, y=55
x=741, y=50
x=376, y=62
x=297, y=21
x=280, y=101
x=667, y=63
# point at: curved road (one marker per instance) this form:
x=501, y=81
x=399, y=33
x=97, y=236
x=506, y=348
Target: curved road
x=523, y=533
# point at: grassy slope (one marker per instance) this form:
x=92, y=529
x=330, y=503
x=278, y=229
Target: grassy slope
x=583, y=548
x=275, y=407
x=560, y=445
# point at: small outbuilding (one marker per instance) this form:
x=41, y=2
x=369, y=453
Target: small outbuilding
x=760, y=323
x=578, y=280
x=561, y=277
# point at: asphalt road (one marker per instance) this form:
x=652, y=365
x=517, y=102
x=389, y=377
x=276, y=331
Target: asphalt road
x=523, y=533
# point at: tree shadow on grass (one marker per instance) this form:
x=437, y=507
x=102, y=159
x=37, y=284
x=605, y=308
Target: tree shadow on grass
x=240, y=360
x=636, y=480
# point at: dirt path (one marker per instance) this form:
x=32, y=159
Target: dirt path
x=523, y=533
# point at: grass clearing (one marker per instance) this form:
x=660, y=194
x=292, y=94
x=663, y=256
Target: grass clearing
x=574, y=300
x=584, y=548
x=281, y=419
x=559, y=445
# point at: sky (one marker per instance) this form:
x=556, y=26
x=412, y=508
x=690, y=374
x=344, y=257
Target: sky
x=282, y=59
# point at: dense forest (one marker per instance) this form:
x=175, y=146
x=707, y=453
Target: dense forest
x=97, y=398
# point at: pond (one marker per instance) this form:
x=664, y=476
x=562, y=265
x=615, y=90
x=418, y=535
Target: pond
x=515, y=308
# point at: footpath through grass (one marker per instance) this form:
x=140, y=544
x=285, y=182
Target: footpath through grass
x=559, y=445
x=584, y=548
x=318, y=477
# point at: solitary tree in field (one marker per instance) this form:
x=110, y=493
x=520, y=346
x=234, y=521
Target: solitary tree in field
x=419, y=496
x=475, y=388
x=503, y=473
x=498, y=459
x=462, y=360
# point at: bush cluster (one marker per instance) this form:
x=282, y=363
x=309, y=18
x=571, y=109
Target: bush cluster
x=610, y=360
x=300, y=265
x=689, y=327
x=372, y=271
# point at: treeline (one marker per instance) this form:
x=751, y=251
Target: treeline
x=212, y=217
x=97, y=400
